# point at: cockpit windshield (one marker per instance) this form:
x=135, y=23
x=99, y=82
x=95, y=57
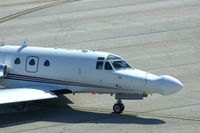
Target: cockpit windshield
x=113, y=57
x=117, y=62
x=120, y=64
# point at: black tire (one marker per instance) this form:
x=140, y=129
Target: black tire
x=123, y=107
x=118, y=108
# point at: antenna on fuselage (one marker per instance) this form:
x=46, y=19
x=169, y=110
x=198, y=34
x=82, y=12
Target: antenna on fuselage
x=23, y=46
x=25, y=43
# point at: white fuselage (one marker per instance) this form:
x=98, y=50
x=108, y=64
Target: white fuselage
x=78, y=71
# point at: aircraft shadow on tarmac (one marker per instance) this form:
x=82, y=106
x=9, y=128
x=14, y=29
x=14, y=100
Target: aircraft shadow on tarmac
x=62, y=113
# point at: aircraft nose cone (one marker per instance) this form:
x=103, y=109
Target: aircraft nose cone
x=165, y=85
x=173, y=84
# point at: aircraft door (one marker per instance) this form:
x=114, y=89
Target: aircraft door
x=32, y=64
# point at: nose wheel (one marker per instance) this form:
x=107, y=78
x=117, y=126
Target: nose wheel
x=118, y=107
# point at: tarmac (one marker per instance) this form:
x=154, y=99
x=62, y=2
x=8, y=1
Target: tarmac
x=158, y=36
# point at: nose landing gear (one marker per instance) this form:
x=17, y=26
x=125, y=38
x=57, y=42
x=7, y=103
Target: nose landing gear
x=118, y=107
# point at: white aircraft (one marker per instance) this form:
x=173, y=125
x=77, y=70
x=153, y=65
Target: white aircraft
x=35, y=73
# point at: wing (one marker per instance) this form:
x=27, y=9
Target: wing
x=26, y=94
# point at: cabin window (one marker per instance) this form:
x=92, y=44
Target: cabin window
x=17, y=61
x=99, y=65
x=47, y=63
x=32, y=62
x=108, y=66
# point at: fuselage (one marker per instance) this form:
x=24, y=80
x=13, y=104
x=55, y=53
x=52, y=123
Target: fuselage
x=80, y=71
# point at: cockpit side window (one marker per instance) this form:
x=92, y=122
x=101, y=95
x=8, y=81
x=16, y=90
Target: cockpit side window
x=99, y=65
x=108, y=66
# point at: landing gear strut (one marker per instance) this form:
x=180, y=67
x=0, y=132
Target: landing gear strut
x=118, y=107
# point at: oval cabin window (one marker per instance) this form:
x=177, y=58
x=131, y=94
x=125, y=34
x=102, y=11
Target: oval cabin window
x=17, y=61
x=47, y=63
x=32, y=62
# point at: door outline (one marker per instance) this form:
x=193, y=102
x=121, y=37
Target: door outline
x=36, y=59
